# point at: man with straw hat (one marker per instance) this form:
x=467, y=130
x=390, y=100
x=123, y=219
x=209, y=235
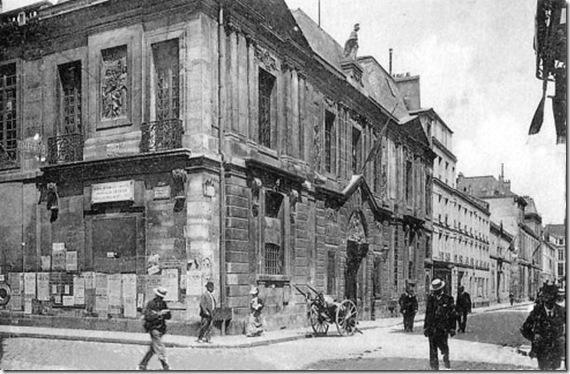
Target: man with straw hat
x=255, y=324
x=439, y=323
x=155, y=315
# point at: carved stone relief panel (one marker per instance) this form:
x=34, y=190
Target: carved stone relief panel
x=114, y=83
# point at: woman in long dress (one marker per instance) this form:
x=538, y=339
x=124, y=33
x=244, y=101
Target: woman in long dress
x=255, y=324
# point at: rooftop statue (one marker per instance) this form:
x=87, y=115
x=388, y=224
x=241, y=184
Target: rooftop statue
x=351, y=45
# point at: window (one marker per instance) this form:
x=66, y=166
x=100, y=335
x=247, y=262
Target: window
x=166, y=80
x=70, y=98
x=274, y=254
x=560, y=269
x=266, y=88
x=330, y=142
x=396, y=247
x=331, y=273
x=8, y=113
x=356, y=149
x=408, y=182
x=561, y=254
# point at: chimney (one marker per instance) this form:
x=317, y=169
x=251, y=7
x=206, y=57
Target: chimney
x=409, y=87
x=390, y=50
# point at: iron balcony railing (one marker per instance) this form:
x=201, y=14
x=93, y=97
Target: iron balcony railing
x=161, y=135
x=65, y=148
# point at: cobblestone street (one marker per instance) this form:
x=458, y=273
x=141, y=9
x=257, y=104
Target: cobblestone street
x=490, y=343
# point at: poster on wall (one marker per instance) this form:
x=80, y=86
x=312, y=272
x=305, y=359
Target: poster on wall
x=30, y=284
x=130, y=295
x=79, y=290
x=56, y=287
x=170, y=282
x=89, y=277
x=194, y=282
x=16, y=283
x=46, y=263
x=101, y=303
x=58, y=259
x=28, y=304
x=71, y=261
x=114, y=300
x=68, y=300
x=152, y=282
x=43, y=286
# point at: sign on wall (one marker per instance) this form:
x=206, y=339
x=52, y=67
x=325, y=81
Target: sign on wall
x=113, y=192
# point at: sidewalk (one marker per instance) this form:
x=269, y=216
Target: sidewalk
x=227, y=341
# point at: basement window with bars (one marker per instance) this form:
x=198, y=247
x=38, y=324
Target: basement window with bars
x=274, y=253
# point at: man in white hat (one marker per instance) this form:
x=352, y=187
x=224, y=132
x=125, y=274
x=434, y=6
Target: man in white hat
x=255, y=325
x=439, y=322
x=155, y=315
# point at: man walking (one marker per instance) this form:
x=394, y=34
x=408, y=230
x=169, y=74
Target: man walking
x=463, y=307
x=408, y=307
x=544, y=327
x=207, y=306
x=155, y=315
x=439, y=323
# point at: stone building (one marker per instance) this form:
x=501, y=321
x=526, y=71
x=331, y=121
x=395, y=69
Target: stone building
x=556, y=236
x=461, y=223
x=178, y=141
x=510, y=210
x=502, y=256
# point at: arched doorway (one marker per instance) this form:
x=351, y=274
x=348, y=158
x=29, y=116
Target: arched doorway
x=356, y=250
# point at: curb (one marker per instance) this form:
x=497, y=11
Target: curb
x=134, y=340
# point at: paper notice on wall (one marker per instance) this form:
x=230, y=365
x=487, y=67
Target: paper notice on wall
x=89, y=277
x=194, y=282
x=79, y=290
x=71, y=261
x=68, y=300
x=101, y=303
x=46, y=263
x=58, y=260
x=43, y=286
x=30, y=284
x=152, y=282
x=16, y=283
x=28, y=304
x=58, y=246
x=170, y=282
x=130, y=295
x=183, y=281
x=114, y=299
x=15, y=302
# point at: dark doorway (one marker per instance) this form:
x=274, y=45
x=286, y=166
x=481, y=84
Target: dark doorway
x=355, y=253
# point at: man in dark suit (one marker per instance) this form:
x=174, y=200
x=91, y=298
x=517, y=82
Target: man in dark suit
x=544, y=327
x=155, y=315
x=463, y=307
x=439, y=323
x=408, y=307
x=207, y=306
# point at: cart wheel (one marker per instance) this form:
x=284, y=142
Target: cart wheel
x=318, y=323
x=346, y=318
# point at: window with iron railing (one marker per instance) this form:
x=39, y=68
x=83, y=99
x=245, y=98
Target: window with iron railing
x=8, y=116
x=166, y=63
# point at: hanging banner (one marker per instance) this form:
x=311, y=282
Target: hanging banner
x=130, y=295
x=43, y=287
x=79, y=290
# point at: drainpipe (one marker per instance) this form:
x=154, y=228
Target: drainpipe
x=221, y=54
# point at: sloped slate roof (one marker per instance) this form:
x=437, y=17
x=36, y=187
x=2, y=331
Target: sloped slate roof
x=556, y=230
x=379, y=85
x=278, y=17
x=320, y=41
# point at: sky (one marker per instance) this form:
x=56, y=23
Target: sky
x=477, y=67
